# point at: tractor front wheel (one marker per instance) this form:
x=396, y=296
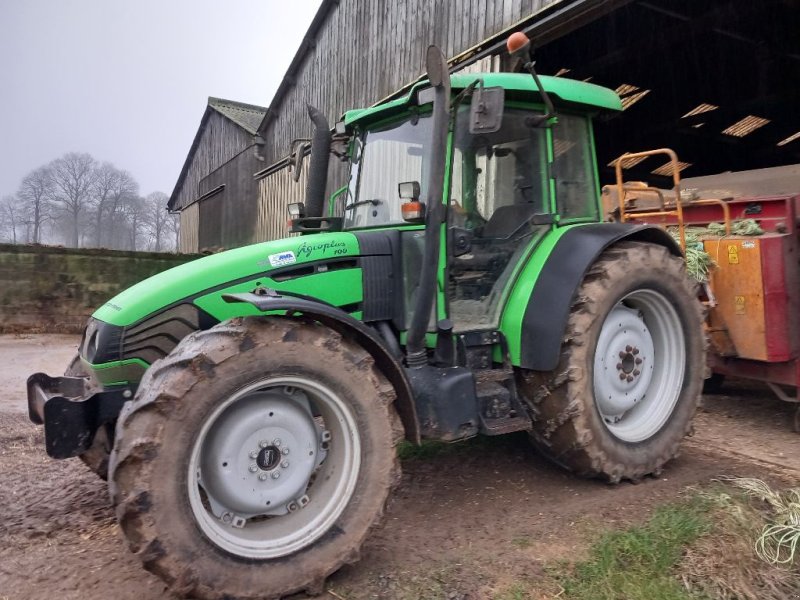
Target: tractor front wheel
x=631, y=370
x=254, y=459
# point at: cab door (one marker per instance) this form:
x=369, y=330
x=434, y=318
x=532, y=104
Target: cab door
x=500, y=208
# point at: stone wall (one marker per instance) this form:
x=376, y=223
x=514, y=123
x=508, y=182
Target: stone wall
x=53, y=289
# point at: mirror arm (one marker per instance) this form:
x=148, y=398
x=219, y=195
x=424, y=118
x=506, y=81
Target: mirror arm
x=548, y=104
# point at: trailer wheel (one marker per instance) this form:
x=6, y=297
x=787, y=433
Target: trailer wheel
x=631, y=369
x=96, y=457
x=254, y=459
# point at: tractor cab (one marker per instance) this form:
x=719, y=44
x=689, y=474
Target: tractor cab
x=506, y=185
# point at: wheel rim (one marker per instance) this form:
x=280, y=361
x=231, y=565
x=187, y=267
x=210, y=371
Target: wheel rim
x=273, y=467
x=639, y=365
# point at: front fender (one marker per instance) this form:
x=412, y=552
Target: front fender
x=345, y=325
x=544, y=318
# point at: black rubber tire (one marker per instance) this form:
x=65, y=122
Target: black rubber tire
x=568, y=427
x=156, y=431
x=96, y=457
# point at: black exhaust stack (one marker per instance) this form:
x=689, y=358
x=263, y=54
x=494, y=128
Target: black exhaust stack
x=318, y=166
x=439, y=77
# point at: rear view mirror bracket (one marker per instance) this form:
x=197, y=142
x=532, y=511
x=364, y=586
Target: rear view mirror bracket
x=486, y=109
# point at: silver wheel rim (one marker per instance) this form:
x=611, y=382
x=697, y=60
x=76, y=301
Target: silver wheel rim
x=273, y=467
x=639, y=365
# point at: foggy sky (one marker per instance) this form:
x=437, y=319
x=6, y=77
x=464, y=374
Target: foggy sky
x=128, y=81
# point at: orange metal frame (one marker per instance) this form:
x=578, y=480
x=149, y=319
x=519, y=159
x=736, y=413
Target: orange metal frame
x=665, y=210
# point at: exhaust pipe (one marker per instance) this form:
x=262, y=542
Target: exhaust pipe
x=318, y=166
x=439, y=76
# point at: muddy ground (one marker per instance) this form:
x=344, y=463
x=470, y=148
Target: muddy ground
x=463, y=524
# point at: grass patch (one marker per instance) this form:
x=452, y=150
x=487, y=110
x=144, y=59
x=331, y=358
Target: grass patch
x=730, y=562
x=522, y=542
x=638, y=563
x=425, y=451
x=517, y=591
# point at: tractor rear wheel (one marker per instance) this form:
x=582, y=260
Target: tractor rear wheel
x=254, y=459
x=96, y=457
x=631, y=369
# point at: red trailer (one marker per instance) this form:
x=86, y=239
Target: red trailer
x=753, y=295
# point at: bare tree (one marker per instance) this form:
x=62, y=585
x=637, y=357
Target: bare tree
x=106, y=180
x=10, y=218
x=73, y=177
x=125, y=190
x=157, y=219
x=136, y=213
x=36, y=192
x=174, y=227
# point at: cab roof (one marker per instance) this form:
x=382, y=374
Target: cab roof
x=518, y=86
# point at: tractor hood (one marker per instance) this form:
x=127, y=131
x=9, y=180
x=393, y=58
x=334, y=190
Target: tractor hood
x=204, y=280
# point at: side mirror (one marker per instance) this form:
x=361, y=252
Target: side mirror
x=486, y=110
x=297, y=152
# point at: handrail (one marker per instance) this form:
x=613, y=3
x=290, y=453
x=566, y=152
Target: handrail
x=676, y=178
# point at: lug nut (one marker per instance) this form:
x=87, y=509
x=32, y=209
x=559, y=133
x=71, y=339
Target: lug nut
x=285, y=464
x=636, y=373
x=276, y=474
x=622, y=376
x=262, y=477
x=263, y=443
x=619, y=366
x=628, y=348
x=285, y=451
x=276, y=442
x=638, y=361
x=635, y=351
x=630, y=378
x=621, y=354
x=254, y=454
x=253, y=468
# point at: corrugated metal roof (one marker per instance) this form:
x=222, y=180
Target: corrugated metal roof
x=247, y=116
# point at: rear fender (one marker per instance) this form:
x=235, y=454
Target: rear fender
x=545, y=317
x=344, y=324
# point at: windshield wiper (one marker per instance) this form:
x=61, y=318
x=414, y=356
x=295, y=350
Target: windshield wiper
x=352, y=205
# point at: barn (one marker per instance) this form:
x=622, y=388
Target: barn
x=716, y=80
x=216, y=194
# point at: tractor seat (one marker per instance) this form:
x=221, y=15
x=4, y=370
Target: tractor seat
x=505, y=220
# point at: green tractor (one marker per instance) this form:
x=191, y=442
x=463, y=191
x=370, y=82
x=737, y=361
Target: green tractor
x=246, y=406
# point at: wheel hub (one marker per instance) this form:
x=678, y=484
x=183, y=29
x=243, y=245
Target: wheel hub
x=268, y=458
x=260, y=455
x=273, y=467
x=639, y=364
x=623, y=362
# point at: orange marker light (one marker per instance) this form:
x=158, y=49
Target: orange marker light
x=517, y=42
x=413, y=211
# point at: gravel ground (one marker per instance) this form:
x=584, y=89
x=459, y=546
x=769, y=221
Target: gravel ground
x=491, y=513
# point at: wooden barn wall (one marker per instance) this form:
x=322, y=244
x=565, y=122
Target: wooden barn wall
x=190, y=220
x=367, y=49
x=276, y=192
x=233, y=222
x=220, y=141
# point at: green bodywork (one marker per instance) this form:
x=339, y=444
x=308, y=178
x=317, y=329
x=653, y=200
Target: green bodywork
x=203, y=282
x=563, y=91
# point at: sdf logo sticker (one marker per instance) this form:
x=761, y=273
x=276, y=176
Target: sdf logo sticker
x=282, y=259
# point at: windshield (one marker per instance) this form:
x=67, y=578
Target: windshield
x=383, y=158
